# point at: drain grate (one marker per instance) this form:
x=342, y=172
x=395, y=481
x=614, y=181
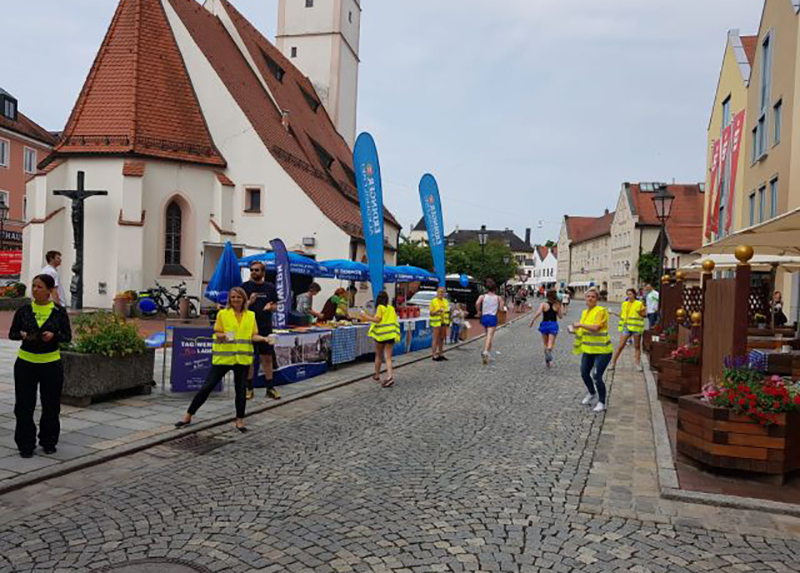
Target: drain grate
x=155, y=566
x=198, y=444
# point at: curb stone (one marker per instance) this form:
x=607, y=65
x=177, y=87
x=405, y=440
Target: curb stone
x=50, y=472
x=668, y=482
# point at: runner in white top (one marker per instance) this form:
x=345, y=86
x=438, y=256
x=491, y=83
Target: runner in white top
x=53, y=259
x=488, y=305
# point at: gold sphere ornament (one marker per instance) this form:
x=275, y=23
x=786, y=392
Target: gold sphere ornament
x=696, y=318
x=680, y=314
x=708, y=265
x=744, y=253
x=665, y=279
x=680, y=275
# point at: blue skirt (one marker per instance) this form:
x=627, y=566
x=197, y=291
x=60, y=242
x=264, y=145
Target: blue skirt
x=548, y=328
x=489, y=320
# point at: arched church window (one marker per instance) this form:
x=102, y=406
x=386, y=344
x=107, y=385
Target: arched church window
x=172, y=240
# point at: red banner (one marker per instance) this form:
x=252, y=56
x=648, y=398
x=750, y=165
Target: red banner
x=726, y=144
x=712, y=187
x=736, y=146
x=10, y=263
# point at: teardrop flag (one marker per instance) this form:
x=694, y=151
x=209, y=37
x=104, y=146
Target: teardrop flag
x=370, y=195
x=432, y=210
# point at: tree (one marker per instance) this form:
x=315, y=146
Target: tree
x=415, y=254
x=550, y=244
x=467, y=259
x=648, y=268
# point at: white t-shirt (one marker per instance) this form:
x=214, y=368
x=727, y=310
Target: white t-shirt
x=491, y=302
x=652, y=302
x=53, y=272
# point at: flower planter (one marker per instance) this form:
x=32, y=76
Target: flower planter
x=13, y=303
x=660, y=351
x=678, y=379
x=90, y=377
x=720, y=438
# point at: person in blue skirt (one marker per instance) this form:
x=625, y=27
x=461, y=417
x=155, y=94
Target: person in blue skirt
x=550, y=311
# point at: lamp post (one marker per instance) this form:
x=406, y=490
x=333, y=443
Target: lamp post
x=3, y=216
x=663, y=203
x=483, y=237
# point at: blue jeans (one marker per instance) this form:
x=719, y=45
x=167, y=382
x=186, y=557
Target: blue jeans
x=652, y=318
x=455, y=332
x=598, y=363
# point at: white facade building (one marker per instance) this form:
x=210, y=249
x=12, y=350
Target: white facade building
x=202, y=133
x=545, y=267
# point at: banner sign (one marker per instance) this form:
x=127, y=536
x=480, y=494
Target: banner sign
x=712, y=186
x=10, y=263
x=370, y=195
x=301, y=355
x=724, y=164
x=432, y=210
x=283, y=284
x=191, y=359
x=736, y=146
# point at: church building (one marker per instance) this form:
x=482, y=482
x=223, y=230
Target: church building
x=203, y=132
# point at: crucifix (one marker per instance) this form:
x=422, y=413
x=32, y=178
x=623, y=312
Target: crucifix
x=78, y=196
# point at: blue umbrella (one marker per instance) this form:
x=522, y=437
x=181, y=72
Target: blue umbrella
x=226, y=276
x=408, y=274
x=344, y=269
x=297, y=263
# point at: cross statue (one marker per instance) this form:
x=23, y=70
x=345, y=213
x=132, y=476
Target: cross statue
x=78, y=196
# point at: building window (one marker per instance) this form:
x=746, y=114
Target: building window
x=761, y=137
x=752, y=204
x=274, y=68
x=252, y=200
x=350, y=16
x=766, y=71
x=762, y=200
x=30, y=160
x=9, y=108
x=309, y=3
x=325, y=158
x=310, y=99
x=726, y=112
x=5, y=147
x=294, y=51
x=773, y=198
x=776, y=111
x=172, y=248
x=4, y=198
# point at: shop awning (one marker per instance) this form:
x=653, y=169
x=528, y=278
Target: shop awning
x=758, y=262
x=779, y=236
x=578, y=284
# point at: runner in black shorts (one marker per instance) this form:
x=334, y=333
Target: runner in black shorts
x=263, y=299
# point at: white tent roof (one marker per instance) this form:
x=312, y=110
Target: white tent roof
x=778, y=236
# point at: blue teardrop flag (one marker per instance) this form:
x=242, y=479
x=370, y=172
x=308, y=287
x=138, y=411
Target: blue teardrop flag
x=370, y=195
x=283, y=284
x=432, y=210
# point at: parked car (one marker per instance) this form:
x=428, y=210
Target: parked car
x=468, y=295
x=422, y=299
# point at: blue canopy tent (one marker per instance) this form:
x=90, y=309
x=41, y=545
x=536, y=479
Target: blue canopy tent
x=226, y=276
x=297, y=263
x=408, y=274
x=346, y=270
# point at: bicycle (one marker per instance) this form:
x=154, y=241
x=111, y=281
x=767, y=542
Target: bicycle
x=164, y=301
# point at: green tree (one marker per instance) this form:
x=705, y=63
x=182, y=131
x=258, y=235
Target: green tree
x=414, y=253
x=468, y=259
x=550, y=244
x=648, y=268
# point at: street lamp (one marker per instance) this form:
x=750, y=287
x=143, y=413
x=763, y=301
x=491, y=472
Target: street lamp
x=663, y=203
x=483, y=236
x=3, y=216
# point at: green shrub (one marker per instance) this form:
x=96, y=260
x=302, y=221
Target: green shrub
x=106, y=334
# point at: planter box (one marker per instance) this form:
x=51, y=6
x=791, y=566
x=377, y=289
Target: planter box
x=89, y=377
x=13, y=303
x=678, y=379
x=647, y=340
x=659, y=351
x=719, y=438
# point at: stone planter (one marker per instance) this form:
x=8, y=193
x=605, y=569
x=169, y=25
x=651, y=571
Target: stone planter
x=719, y=438
x=13, y=303
x=659, y=351
x=678, y=379
x=90, y=377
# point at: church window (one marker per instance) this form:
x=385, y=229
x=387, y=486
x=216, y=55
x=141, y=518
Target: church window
x=252, y=200
x=294, y=51
x=325, y=158
x=172, y=248
x=310, y=99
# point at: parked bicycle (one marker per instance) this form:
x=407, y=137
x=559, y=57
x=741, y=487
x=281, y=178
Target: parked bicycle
x=160, y=299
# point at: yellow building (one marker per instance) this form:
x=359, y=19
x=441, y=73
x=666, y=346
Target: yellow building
x=730, y=100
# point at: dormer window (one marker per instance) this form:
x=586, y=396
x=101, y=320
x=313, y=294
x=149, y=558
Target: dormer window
x=310, y=100
x=325, y=158
x=8, y=106
x=274, y=68
x=351, y=176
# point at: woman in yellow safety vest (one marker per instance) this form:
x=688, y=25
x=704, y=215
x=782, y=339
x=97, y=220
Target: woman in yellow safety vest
x=385, y=330
x=593, y=343
x=234, y=334
x=631, y=324
x=440, y=320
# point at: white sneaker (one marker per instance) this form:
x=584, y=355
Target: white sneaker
x=612, y=367
x=587, y=400
x=639, y=368
x=599, y=408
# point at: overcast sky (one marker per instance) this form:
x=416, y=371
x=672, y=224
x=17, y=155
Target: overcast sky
x=525, y=110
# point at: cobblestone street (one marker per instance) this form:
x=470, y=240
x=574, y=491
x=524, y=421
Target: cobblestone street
x=460, y=467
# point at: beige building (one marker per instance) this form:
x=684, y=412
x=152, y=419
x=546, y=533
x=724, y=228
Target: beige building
x=584, y=254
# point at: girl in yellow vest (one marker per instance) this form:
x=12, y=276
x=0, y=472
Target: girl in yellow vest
x=631, y=324
x=234, y=334
x=440, y=320
x=593, y=343
x=385, y=330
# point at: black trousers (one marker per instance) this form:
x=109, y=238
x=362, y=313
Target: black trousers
x=216, y=374
x=49, y=379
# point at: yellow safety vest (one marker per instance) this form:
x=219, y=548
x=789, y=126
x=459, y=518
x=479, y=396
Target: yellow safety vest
x=436, y=306
x=388, y=329
x=630, y=317
x=588, y=342
x=239, y=350
x=41, y=313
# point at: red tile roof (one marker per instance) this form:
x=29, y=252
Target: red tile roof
x=138, y=98
x=580, y=229
x=133, y=168
x=542, y=251
x=685, y=225
x=27, y=127
x=225, y=180
x=330, y=186
x=749, y=43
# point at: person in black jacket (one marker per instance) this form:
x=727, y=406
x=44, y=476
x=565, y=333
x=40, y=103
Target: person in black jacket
x=42, y=326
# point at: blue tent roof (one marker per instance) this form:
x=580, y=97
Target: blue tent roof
x=297, y=263
x=407, y=273
x=226, y=276
x=345, y=270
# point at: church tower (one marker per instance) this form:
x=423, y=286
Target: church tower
x=321, y=38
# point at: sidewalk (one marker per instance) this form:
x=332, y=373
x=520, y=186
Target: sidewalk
x=117, y=427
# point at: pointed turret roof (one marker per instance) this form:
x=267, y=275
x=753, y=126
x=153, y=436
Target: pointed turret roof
x=138, y=98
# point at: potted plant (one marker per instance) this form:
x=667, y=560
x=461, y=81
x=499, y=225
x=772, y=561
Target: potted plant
x=680, y=372
x=760, y=320
x=663, y=346
x=12, y=296
x=106, y=356
x=747, y=421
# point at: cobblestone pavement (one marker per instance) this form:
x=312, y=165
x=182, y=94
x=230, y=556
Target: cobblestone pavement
x=460, y=467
